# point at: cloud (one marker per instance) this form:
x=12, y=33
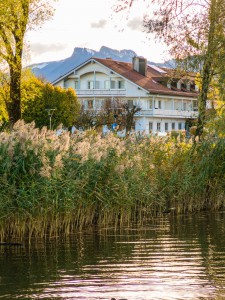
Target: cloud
x=136, y=24
x=100, y=24
x=39, y=48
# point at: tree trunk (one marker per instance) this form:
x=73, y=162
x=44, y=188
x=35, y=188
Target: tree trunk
x=129, y=122
x=14, y=106
x=203, y=95
x=207, y=71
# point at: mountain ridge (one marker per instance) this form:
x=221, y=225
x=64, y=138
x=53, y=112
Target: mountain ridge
x=52, y=70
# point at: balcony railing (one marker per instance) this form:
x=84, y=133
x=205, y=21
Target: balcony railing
x=101, y=92
x=167, y=113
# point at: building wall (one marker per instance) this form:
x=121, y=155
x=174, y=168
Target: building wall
x=98, y=84
x=161, y=125
x=133, y=91
x=92, y=67
x=60, y=83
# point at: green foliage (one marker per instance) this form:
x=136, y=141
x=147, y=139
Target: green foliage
x=4, y=96
x=215, y=126
x=3, y=111
x=38, y=96
x=16, y=17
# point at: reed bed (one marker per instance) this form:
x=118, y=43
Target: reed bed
x=57, y=184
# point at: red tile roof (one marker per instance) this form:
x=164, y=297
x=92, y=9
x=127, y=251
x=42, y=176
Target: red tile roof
x=148, y=82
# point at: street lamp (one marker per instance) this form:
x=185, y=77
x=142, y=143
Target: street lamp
x=50, y=112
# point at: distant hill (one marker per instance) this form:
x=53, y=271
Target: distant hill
x=54, y=69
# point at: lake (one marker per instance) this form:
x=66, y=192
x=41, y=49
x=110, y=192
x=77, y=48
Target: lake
x=167, y=258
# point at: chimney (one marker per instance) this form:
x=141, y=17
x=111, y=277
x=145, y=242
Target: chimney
x=140, y=65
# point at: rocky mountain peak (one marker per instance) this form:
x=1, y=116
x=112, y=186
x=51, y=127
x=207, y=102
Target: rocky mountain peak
x=54, y=69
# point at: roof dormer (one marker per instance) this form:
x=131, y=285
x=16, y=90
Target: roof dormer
x=169, y=84
x=179, y=84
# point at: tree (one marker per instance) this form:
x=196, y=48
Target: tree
x=16, y=17
x=38, y=97
x=129, y=113
x=94, y=119
x=116, y=111
x=190, y=29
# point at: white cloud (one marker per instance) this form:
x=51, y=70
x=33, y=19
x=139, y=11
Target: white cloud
x=136, y=24
x=40, y=49
x=100, y=24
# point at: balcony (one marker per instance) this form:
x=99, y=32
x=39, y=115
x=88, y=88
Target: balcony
x=167, y=113
x=101, y=92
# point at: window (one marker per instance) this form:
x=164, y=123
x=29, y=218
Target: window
x=87, y=104
x=136, y=103
x=169, y=84
x=66, y=83
x=183, y=85
x=158, y=104
x=99, y=104
x=168, y=105
x=76, y=85
x=174, y=84
x=90, y=104
x=84, y=104
x=130, y=104
x=158, y=126
x=97, y=85
x=166, y=126
x=180, y=125
x=107, y=84
x=173, y=126
x=195, y=105
x=184, y=106
x=149, y=104
x=91, y=85
x=121, y=84
x=113, y=84
x=177, y=105
x=150, y=126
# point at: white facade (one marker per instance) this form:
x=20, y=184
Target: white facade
x=96, y=83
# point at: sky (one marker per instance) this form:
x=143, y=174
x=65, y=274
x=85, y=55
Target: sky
x=91, y=24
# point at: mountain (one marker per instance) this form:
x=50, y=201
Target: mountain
x=54, y=69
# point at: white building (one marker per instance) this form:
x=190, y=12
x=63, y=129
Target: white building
x=166, y=101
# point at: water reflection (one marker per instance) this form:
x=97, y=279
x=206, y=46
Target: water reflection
x=172, y=258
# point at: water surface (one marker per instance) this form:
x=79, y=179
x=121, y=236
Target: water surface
x=170, y=258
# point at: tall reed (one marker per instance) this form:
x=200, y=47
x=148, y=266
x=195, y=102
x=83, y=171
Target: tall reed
x=55, y=184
